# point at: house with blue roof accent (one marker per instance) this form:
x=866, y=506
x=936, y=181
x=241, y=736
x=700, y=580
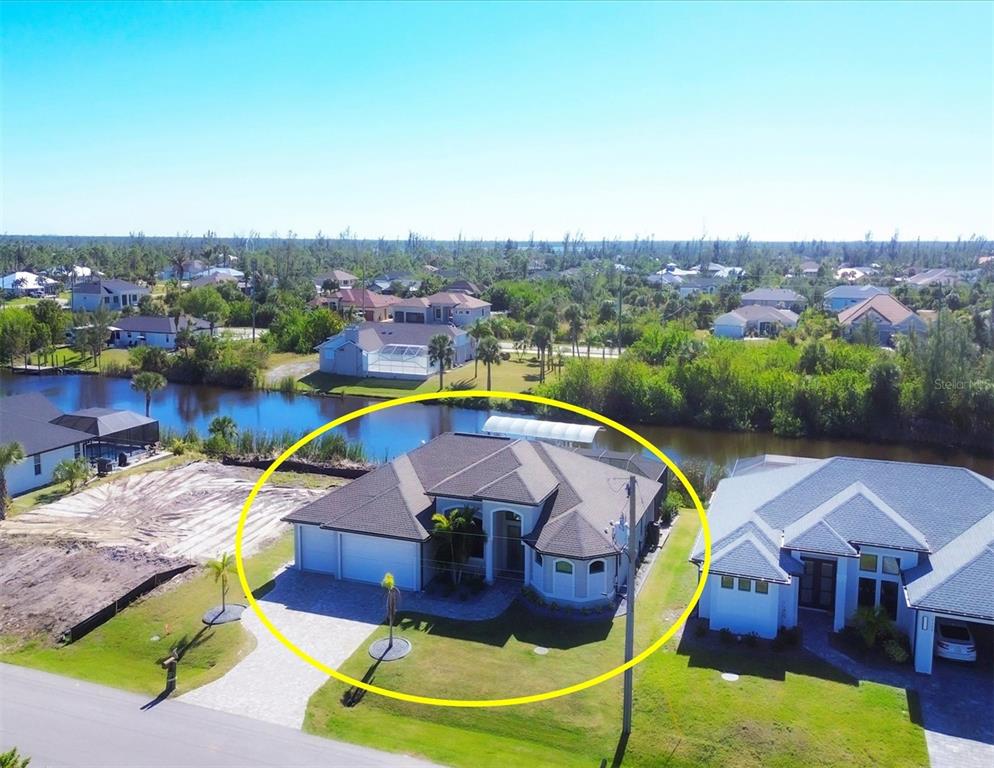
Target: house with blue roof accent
x=838, y=534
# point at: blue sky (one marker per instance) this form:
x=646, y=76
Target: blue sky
x=495, y=120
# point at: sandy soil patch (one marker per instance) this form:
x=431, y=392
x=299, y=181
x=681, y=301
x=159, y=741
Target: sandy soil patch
x=190, y=512
x=296, y=370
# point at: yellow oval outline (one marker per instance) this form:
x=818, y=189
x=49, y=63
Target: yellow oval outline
x=472, y=703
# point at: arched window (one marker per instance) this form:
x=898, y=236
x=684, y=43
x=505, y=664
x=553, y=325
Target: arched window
x=564, y=566
x=597, y=566
x=538, y=558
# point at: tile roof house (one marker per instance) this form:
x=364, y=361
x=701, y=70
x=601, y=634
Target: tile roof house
x=753, y=319
x=339, y=276
x=442, y=308
x=887, y=315
x=49, y=436
x=375, y=307
x=942, y=276
x=844, y=296
x=547, y=517
x=915, y=540
x=389, y=350
x=782, y=298
x=153, y=331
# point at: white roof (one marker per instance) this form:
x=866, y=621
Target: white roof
x=27, y=281
x=541, y=430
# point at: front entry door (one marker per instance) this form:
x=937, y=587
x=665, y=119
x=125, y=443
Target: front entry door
x=515, y=552
x=818, y=584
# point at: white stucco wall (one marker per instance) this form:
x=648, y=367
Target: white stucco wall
x=357, y=557
x=742, y=612
x=21, y=477
x=729, y=331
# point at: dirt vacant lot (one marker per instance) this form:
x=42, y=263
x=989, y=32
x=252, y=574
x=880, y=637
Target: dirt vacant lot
x=61, y=562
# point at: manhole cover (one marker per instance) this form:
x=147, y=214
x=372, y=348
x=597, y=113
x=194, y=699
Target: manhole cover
x=541, y=651
x=383, y=651
x=729, y=677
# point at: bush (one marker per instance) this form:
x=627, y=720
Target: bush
x=700, y=628
x=752, y=639
x=786, y=638
x=727, y=638
x=896, y=651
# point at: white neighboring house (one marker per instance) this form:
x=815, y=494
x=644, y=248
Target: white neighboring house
x=389, y=350
x=24, y=283
x=834, y=535
x=26, y=419
x=152, y=331
x=844, y=296
x=753, y=319
x=547, y=517
x=885, y=314
x=339, y=276
x=110, y=293
x=782, y=298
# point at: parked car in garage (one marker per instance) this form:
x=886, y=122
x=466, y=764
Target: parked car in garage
x=954, y=641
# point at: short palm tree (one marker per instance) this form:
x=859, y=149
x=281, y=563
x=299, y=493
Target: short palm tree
x=10, y=454
x=148, y=382
x=220, y=568
x=489, y=354
x=541, y=339
x=73, y=472
x=393, y=600
x=450, y=528
x=224, y=426
x=441, y=351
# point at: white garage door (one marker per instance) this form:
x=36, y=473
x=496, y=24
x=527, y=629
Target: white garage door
x=368, y=558
x=318, y=549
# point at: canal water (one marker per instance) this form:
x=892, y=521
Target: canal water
x=387, y=433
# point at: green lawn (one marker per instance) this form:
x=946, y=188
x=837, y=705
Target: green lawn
x=788, y=708
x=65, y=357
x=123, y=652
x=510, y=376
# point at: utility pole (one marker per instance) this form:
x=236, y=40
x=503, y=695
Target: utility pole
x=620, y=291
x=626, y=720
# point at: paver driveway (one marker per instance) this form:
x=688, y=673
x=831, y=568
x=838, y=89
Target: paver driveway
x=329, y=619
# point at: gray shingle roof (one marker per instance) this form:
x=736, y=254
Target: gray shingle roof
x=26, y=419
x=102, y=422
x=773, y=294
x=853, y=292
x=396, y=499
x=154, y=324
x=748, y=558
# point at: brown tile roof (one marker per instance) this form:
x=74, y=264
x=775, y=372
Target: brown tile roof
x=883, y=304
x=354, y=297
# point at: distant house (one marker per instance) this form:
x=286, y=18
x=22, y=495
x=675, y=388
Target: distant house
x=442, y=308
x=190, y=269
x=214, y=278
x=753, y=320
x=855, y=274
x=110, y=293
x=463, y=286
x=782, y=298
x=791, y=535
x=934, y=277
x=692, y=285
x=50, y=436
x=809, y=268
x=151, y=331
x=26, y=283
x=387, y=283
x=887, y=314
x=339, y=276
x=843, y=296
x=374, y=307
x=389, y=350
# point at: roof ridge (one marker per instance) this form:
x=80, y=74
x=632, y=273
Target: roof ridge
x=475, y=463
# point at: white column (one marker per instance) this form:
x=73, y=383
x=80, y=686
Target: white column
x=924, y=640
x=839, y=622
x=488, y=549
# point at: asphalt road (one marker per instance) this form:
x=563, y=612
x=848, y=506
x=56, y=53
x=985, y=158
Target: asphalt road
x=58, y=721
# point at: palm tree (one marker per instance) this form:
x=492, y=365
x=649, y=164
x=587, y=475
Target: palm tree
x=574, y=318
x=148, y=382
x=449, y=528
x=541, y=338
x=224, y=426
x=489, y=353
x=441, y=351
x=10, y=454
x=393, y=600
x=479, y=331
x=72, y=471
x=220, y=568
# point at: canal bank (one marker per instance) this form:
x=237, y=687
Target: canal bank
x=388, y=433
